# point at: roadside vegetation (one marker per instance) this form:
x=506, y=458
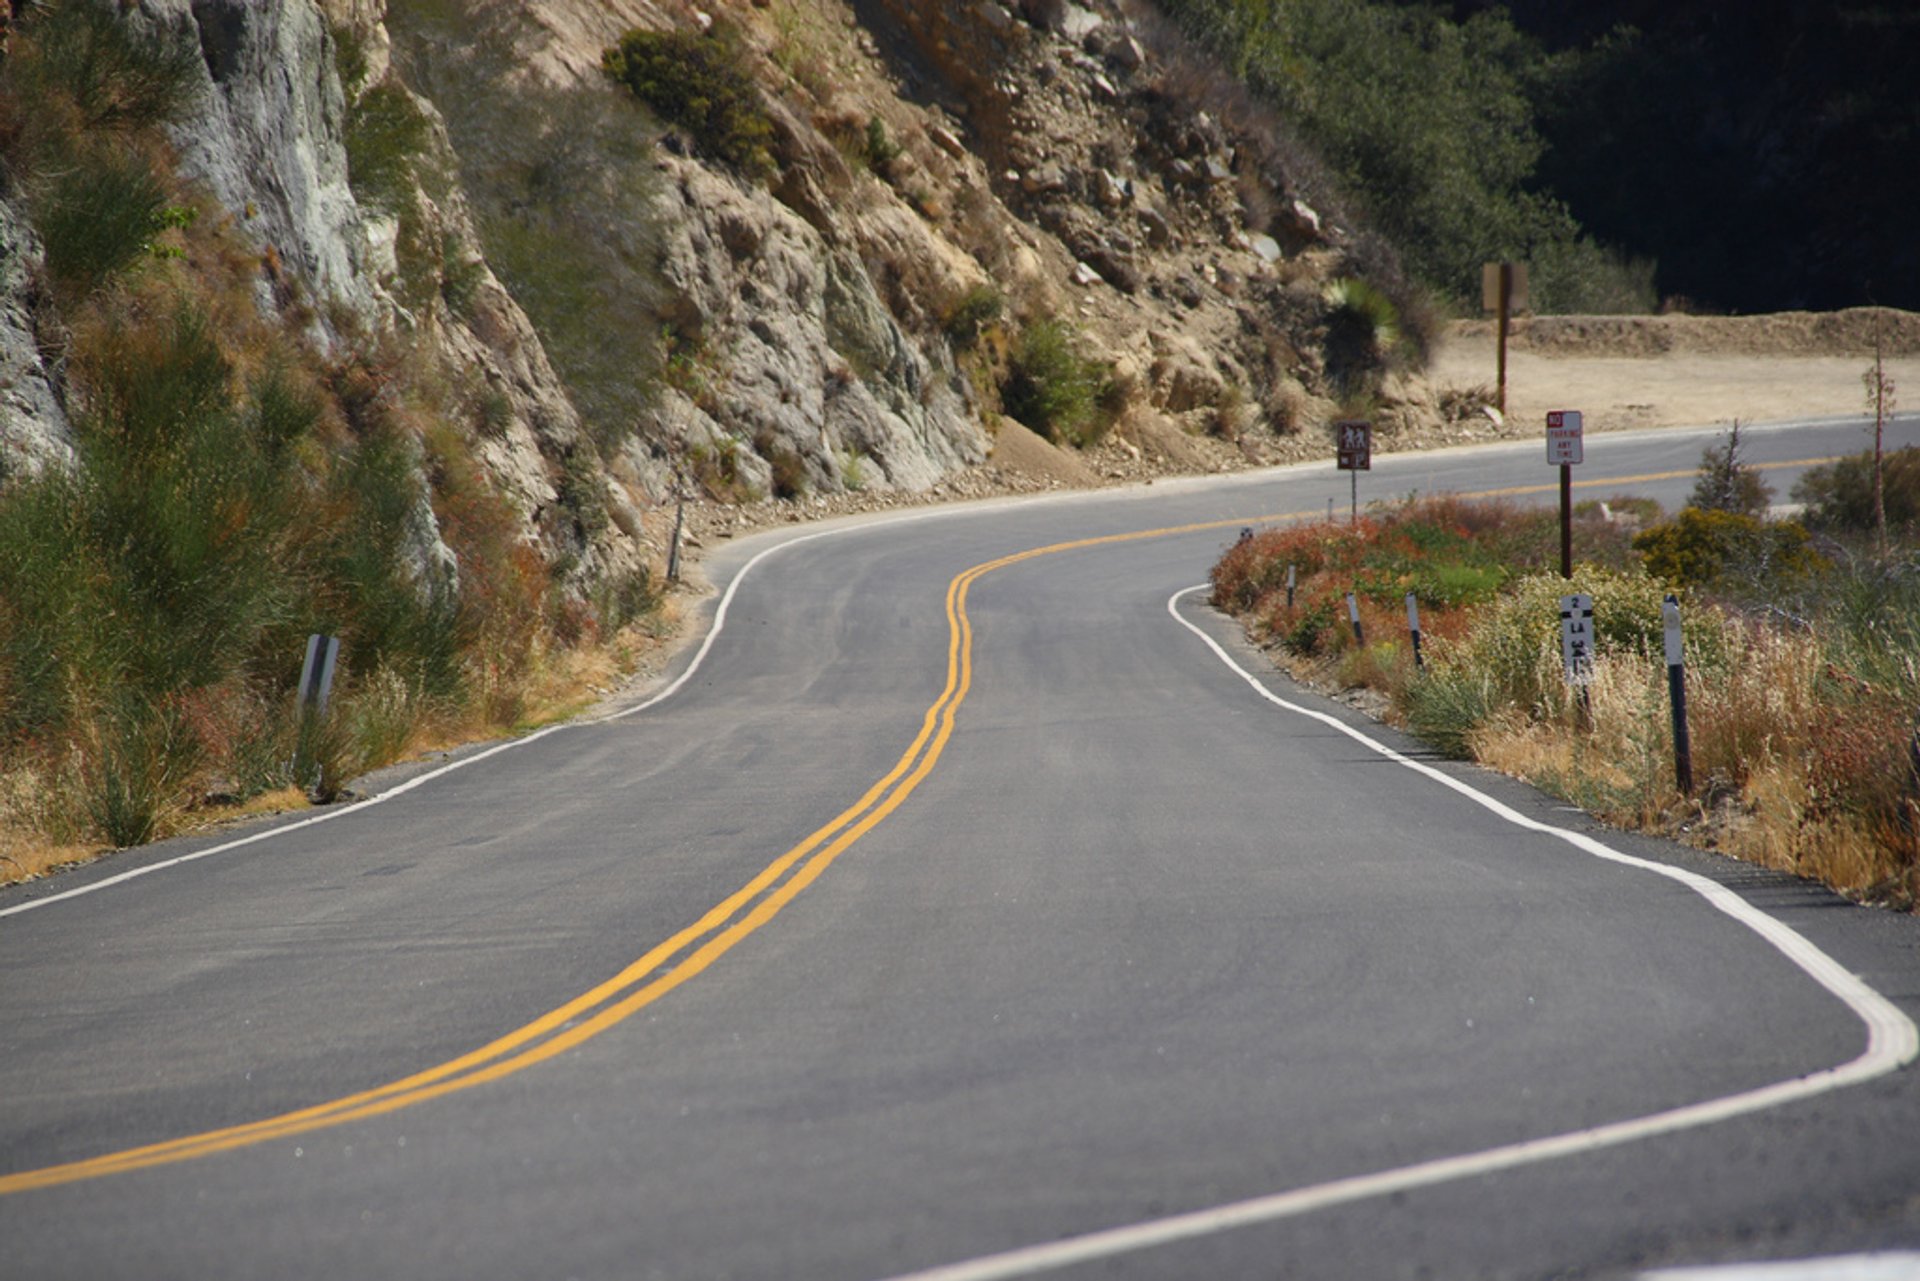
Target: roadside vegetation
x=1802, y=646
x=234, y=491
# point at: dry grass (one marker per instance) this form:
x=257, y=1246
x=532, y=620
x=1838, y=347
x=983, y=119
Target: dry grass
x=1801, y=736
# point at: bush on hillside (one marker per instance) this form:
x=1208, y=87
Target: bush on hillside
x=1429, y=124
x=1062, y=395
x=700, y=83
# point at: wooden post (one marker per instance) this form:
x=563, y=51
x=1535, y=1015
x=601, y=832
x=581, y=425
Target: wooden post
x=1504, y=306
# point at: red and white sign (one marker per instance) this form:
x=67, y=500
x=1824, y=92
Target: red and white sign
x=1563, y=437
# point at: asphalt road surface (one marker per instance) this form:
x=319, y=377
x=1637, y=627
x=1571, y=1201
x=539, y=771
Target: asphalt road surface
x=975, y=904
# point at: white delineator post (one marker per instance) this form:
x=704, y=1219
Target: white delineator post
x=1353, y=616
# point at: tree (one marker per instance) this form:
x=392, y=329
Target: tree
x=1726, y=483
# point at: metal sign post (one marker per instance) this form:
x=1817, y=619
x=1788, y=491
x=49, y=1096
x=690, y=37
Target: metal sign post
x=1354, y=454
x=1565, y=449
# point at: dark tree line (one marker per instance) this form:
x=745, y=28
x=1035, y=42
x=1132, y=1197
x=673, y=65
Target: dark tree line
x=1766, y=154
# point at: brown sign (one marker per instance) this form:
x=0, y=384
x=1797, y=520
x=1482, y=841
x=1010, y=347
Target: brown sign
x=1516, y=273
x=1354, y=441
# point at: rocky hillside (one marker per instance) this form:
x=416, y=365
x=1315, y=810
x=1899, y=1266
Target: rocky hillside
x=607, y=305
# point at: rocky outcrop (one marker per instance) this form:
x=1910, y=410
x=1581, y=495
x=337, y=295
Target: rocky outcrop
x=1046, y=152
x=267, y=136
x=33, y=424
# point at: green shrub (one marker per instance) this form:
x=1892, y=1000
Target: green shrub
x=563, y=194
x=1839, y=495
x=582, y=494
x=1514, y=641
x=618, y=601
x=978, y=308
x=1363, y=329
x=387, y=134
x=789, y=477
x=1699, y=548
x=1306, y=633
x=880, y=149
x=370, y=596
x=185, y=503
x=1430, y=126
x=115, y=75
x=1726, y=483
x=1056, y=391
x=99, y=217
x=1448, y=706
x=701, y=84
x=138, y=770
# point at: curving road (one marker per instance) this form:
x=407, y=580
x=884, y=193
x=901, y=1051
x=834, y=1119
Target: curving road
x=974, y=904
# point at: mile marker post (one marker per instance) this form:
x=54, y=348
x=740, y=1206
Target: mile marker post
x=1576, y=650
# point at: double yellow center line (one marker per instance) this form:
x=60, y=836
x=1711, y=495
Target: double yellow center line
x=664, y=968
x=687, y=953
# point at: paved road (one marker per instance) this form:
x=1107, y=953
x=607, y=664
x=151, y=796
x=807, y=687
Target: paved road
x=946, y=913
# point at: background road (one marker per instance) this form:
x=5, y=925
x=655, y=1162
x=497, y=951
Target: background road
x=1118, y=940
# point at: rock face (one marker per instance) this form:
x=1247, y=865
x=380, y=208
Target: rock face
x=1056, y=156
x=33, y=424
x=267, y=136
x=809, y=363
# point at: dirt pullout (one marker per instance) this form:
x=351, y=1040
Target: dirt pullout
x=1666, y=371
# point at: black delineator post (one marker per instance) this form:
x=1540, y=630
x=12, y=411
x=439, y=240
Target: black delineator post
x=1677, y=695
x=1413, y=627
x=1353, y=615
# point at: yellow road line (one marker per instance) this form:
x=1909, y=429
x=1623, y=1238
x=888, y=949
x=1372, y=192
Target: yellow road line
x=643, y=982
x=640, y=984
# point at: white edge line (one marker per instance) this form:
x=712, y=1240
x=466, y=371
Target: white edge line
x=328, y=815
x=1892, y=1042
